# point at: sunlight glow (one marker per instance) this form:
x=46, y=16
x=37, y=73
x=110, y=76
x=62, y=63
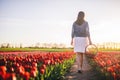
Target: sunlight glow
x=44, y=21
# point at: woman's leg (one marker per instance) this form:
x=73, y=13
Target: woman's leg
x=79, y=59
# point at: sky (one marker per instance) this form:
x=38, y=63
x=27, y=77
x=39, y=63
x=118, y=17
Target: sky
x=50, y=21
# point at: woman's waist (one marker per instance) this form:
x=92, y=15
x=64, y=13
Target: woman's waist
x=80, y=35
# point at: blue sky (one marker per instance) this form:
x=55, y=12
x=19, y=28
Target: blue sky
x=50, y=21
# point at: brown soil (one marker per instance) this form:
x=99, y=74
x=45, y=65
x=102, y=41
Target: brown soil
x=87, y=72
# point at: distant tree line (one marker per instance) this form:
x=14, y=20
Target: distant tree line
x=37, y=45
x=106, y=45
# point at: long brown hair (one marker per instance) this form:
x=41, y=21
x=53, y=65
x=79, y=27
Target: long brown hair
x=80, y=18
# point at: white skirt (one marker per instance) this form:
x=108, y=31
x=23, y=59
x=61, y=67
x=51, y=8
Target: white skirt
x=80, y=43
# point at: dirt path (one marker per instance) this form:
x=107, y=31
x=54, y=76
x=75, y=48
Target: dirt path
x=87, y=74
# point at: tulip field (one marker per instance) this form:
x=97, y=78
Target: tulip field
x=107, y=64
x=35, y=65
x=49, y=65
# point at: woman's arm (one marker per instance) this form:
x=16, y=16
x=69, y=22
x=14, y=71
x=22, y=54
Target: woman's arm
x=88, y=33
x=72, y=41
x=72, y=34
x=90, y=42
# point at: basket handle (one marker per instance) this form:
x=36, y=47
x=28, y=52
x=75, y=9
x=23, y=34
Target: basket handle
x=94, y=46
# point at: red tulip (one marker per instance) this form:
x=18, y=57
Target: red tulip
x=42, y=71
x=43, y=66
x=52, y=62
x=33, y=73
x=26, y=75
x=34, y=64
x=34, y=68
x=3, y=68
x=12, y=69
x=3, y=72
x=102, y=64
x=47, y=62
x=10, y=76
x=110, y=69
x=114, y=75
x=109, y=62
x=21, y=70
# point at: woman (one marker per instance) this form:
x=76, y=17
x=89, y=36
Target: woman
x=80, y=38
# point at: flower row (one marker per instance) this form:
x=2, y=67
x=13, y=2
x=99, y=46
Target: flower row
x=34, y=65
x=109, y=64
